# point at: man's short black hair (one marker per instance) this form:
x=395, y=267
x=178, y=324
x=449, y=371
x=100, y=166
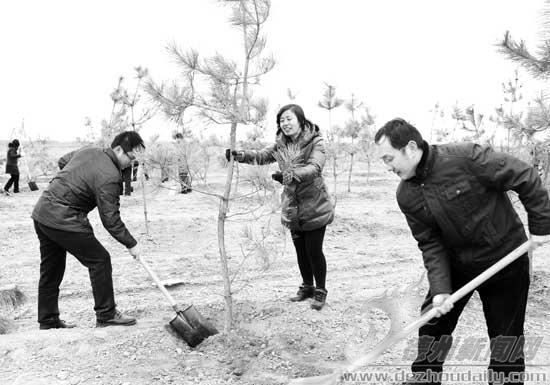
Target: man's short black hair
x=399, y=133
x=128, y=140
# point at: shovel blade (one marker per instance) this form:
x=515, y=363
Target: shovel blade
x=192, y=327
x=197, y=321
x=190, y=335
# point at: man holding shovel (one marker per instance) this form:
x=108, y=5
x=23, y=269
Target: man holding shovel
x=455, y=200
x=91, y=177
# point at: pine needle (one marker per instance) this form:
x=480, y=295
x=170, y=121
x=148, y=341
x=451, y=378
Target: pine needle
x=288, y=157
x=11, y=297
x=5, y=325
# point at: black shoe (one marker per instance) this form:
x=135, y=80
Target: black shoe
x=56, y=324
x=117, y=320
x=16, y=191
x=319, y=299
x=304, y=292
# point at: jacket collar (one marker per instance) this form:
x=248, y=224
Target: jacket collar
x=111, y=154
x=306, y=135
x=426, y=162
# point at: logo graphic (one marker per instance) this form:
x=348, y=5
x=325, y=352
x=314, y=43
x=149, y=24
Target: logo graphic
x=383, y=314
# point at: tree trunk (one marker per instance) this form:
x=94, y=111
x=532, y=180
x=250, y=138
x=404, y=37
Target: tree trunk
x=350, y=170
x=237, y=177
x=334, y=173
x=206, y=166
x=368, y=168
x=142, y=179
x=546, y=168
x=222, y=214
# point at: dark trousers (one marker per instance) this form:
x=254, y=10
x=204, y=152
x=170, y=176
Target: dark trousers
x=54, y=245
x=311, y=260
x=14, y=179
x=504, y=299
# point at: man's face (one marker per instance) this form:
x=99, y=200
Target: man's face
x=124, y=158
x=402, y=161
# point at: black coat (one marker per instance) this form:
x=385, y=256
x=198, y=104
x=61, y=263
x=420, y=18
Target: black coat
x=458, y=209
x=11, y=164
x=91, y=178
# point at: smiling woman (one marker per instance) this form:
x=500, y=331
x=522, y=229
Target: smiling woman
x=306, y=208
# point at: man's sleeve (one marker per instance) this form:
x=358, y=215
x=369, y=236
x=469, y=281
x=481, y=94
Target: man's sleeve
x=62, y=162
x=108, y=205
x=504, y=172
x=434, y=254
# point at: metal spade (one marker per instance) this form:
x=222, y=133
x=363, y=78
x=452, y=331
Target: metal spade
x=188, y=323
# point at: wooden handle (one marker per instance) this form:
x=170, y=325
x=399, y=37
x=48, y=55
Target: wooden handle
x=425, y=318
x=159, y=284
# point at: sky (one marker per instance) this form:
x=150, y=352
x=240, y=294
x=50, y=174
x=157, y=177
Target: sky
x=61, y=59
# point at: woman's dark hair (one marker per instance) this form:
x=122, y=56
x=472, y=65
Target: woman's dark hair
x=299, y=112
x=14, y=143
x=128, y=140
x=399, y=132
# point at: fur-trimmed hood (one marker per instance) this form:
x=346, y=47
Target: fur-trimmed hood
x=307, y=134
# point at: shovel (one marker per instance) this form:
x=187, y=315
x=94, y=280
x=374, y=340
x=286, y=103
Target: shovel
x=32, y=184
x=382, y=346
x=188, y=323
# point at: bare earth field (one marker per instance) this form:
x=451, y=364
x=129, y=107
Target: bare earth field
x=373, y=264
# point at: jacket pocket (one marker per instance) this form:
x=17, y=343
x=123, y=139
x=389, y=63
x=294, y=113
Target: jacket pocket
x=460, y=198
x=490, y=234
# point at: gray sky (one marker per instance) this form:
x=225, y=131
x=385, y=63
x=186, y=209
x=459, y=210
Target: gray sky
x=62, y=59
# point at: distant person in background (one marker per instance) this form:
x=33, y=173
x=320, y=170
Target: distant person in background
x=89, y=178
x=183, y=167
x=127, y=176
x=12, y=157
x=306, y=206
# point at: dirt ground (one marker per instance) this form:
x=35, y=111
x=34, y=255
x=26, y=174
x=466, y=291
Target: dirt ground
x=374, y=281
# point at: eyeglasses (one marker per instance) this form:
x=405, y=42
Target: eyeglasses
x=130, y=155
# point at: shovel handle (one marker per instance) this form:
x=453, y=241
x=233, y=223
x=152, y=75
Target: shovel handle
x=155, y=278
x=426, y=317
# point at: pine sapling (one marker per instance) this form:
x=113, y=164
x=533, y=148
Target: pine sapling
x=289, y=157
x=5, y=325
x=11, y=297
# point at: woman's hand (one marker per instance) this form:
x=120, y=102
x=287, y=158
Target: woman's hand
x=288, y=177
x=237, y=155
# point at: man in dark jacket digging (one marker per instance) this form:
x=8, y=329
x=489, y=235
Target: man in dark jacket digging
x=90, y=177
x=455, y=200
